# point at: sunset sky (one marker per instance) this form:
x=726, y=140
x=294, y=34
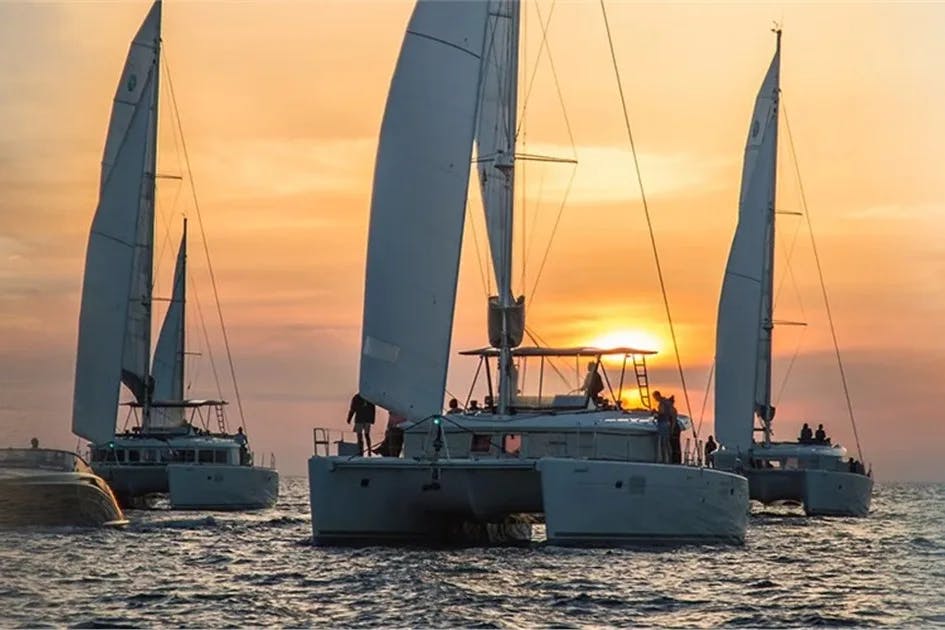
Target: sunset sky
x=281, y=103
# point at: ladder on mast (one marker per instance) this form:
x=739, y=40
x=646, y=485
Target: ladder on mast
x=643, y=381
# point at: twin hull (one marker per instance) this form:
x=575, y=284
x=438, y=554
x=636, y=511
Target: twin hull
x=363, y=501
x=822, y=492
x=223, y=487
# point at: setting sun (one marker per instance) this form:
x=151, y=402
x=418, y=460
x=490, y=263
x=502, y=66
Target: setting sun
x=625, y=338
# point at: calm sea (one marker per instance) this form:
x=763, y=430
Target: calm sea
x=221, y=569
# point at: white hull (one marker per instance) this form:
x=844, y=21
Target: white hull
x=831, y=493
x=392, y=500
x=589, y=502
x=221, y=487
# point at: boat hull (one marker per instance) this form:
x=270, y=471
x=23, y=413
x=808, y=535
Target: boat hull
x=822, y=492
x=221, y=487
x=400, y=501
x=611, y=503
x=832, y=493
x=77, y=499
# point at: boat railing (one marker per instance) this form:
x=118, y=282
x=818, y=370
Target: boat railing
x=324, y=438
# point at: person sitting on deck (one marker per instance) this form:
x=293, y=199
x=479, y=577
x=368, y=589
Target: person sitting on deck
x=820, y=437
x=240, y=439
x=473, y=406
x=393, y=436
x=807, y=435
x=710, y=448
x=34, y=443
x=362, y=411
x=453, y=406
x=593, y=383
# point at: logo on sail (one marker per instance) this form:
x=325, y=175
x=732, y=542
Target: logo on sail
x=132, y=82
x=754, y=128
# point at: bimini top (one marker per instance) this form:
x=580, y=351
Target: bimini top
x=179, y=404
x=531, y=351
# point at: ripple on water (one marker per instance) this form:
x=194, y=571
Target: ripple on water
x=260, y=568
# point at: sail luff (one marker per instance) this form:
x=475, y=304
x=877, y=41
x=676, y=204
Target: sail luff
x=421, y=179
x=743, y=348
x=112, y=257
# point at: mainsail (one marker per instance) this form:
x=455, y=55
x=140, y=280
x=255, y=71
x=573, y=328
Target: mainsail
x=743, y=332
x=418, y=207
x=117, y=282
x=168, y=369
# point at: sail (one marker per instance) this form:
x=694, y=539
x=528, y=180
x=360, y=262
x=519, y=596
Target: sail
x=743, y=331
x=116, y=284
x=495, y=134
x=168, y=369
x=418, y=208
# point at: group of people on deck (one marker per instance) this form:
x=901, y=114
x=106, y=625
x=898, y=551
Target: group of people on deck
x=810, y=437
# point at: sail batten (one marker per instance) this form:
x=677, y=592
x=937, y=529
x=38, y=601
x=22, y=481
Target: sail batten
x=117, y=277
x=418, y=208
x=743, y=333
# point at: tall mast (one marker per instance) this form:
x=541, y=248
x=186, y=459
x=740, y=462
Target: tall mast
x=505, y=163
x=763, y=389
x=149, y=185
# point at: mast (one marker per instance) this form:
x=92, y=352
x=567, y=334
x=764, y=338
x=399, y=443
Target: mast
x=764, y=377
x=146, y=245
x=496, y=148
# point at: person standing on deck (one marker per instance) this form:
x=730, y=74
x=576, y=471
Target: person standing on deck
x=710, y=448
x=363, y=413
x=665, y=421
x=240, y=439
x=593, y=383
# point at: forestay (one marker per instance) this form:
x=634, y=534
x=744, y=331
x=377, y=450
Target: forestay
x=743, y=334
x=418, y=206
x=116, y=284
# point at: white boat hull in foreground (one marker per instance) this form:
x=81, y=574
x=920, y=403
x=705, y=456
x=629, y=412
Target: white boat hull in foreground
x=393, y=500
x=221, y=487
x=594, y=502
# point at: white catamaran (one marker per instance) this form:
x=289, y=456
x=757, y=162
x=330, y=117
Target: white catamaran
x=167, y=452
x=816, y=474
x=585, y=465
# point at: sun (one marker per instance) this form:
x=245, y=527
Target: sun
x=626, y=338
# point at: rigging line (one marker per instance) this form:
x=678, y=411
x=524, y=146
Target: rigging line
x=206, y=248
x=788, y=259
x=482, y=272
x=705, y=397
x=554, y=75
x=646, y=212
x=206, y=336
x=541, y=48
x=523, y=25
x=787, y=373
x=531, y=234
x=823, y=286
x=538, y=341
x=554, y=231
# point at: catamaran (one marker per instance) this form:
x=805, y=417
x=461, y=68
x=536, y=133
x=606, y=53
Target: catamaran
x=581, y=462
x=815, y=474
x=176, y=446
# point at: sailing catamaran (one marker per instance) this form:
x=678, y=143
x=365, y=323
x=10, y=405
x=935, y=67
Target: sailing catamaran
x=815, y=474
x=584, y=464
x=166, y=452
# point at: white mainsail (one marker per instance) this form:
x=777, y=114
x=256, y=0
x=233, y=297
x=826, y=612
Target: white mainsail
x=168, y=368
x=418, y=207
x=117, y=281
x=743, y=331
x=495, y=134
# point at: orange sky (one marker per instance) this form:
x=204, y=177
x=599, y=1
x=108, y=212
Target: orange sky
x=281, y=103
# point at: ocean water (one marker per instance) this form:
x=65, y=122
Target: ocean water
x=222, y=569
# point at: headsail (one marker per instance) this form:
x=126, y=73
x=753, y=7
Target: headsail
x=418, y=207
x=168, y=370
x=743, y=331
x=117, y=280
